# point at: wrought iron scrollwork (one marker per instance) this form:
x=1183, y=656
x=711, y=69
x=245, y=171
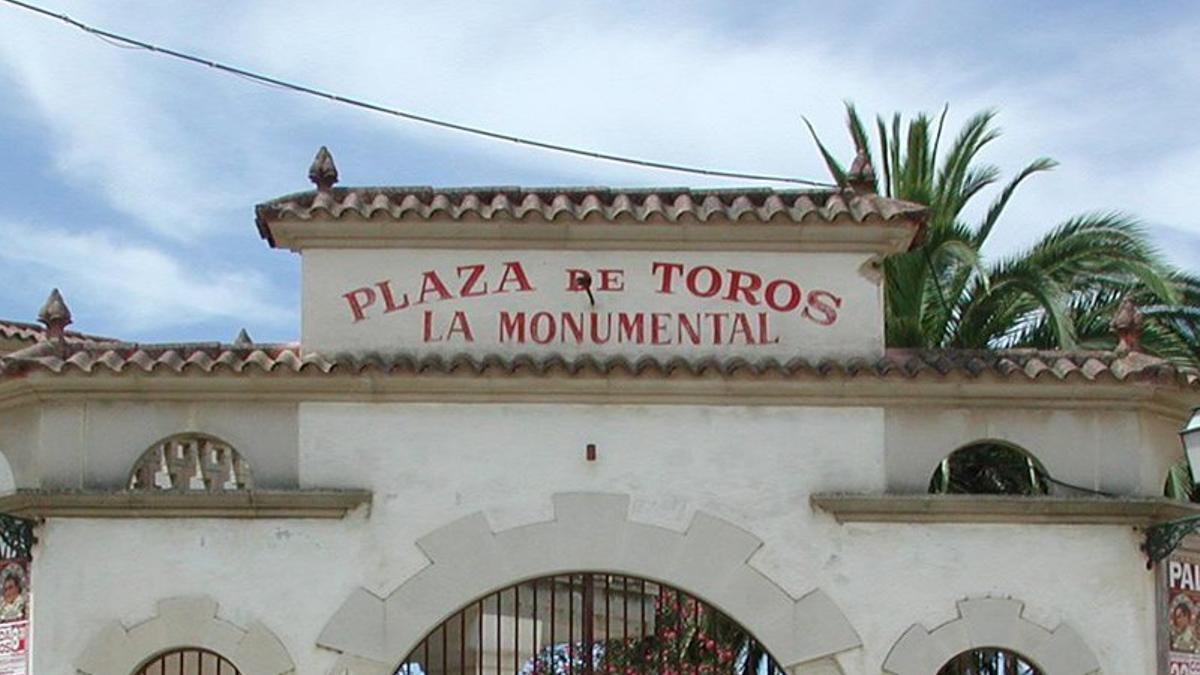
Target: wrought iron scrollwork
x=1162, y=539
x=16, y=537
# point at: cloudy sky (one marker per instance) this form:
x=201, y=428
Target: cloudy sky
x=129, y=179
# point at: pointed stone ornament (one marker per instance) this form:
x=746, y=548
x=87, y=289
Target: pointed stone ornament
x=861, y=177
x=243, y=339
x=56, y=315
x=323, y=173
x=1127, y=324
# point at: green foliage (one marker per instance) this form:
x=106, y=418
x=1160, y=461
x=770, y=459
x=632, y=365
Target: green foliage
x=689, y=638
x=1059, y=293
x=1179, y=483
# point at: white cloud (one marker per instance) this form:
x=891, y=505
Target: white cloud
x=175, y=146
x=691, y=92
x=117, y=126
x=134, y=286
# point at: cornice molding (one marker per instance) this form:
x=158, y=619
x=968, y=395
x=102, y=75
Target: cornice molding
x=1015, y=509
x=840, y=236
x=126, y=504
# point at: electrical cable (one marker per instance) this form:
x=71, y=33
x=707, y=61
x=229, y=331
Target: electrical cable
x=133, y=43
x=1056, y=481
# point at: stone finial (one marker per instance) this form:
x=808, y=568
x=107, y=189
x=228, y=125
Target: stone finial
x=243, y=339
x=861, y=177
x=323, y=172
x=1127, y=324
x=56, y=315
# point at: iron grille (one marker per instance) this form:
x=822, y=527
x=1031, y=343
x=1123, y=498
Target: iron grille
x=189, y=661
x=16, y=538
x=989, y=661
x=589, y=624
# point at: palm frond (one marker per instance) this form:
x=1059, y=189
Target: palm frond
x=1059, y=293
x=1001, y=201
x=835, y=168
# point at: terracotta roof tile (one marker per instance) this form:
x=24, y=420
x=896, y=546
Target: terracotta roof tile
x=31, y=332
x=213, y=358
x=665, y=205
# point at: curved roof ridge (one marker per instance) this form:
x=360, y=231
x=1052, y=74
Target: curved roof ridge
x=907, y=364
x=606, y=204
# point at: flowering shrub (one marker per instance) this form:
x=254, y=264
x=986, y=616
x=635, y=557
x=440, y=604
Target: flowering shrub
x=689, y=638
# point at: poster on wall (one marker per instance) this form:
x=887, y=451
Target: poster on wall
x=14, y=617
x=1183, y=614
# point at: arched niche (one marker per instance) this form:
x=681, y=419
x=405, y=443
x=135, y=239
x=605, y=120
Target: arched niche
x=589, y=531
x=990, y=466
x=190, y=462
x=991, y=623
x=188, y=623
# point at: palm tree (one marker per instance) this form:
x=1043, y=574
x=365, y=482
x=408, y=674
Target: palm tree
x=1058, y=293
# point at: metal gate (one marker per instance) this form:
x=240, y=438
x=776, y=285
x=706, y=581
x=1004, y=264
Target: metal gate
x=189, y=661
x=989, y=662
x=589, y=624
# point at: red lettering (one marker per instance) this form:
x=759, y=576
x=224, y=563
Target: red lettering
x=542, y=327
x=512, y=327
x=764, y=331
x=658, y=328
x=824, y=304
x=611, y=280
x=745, y=284
x=432, y=283
x=693, y=329
x=718, y=319
x=631, y=328
x=460, y=325
x=595, y=328
x=358, y=307
x=575, y=279
x=741, y=326
x=389, y=301
x=514, y=272
x=468, y=287
x=572, y=323
x=669, y=270
x=793, y=299
x=427, y=333
x=714, y=281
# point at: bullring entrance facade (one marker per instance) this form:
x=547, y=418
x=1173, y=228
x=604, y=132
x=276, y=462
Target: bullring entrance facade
x=581, y=430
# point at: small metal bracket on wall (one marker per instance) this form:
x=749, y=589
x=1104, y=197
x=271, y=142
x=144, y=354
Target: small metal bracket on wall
x=1162, y=539
x=16, y=537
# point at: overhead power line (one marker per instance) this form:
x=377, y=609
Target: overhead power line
x=129, y=42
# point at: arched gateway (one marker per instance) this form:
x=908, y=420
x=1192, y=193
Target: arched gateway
x=592, y=532
x=189, y=662
x=589, y=623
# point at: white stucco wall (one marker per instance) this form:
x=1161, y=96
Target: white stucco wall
x=431, y=464
x=1094, y=449
x=18, y=443
x=94, y=444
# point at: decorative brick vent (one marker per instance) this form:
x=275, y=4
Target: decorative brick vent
x=191, y=463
